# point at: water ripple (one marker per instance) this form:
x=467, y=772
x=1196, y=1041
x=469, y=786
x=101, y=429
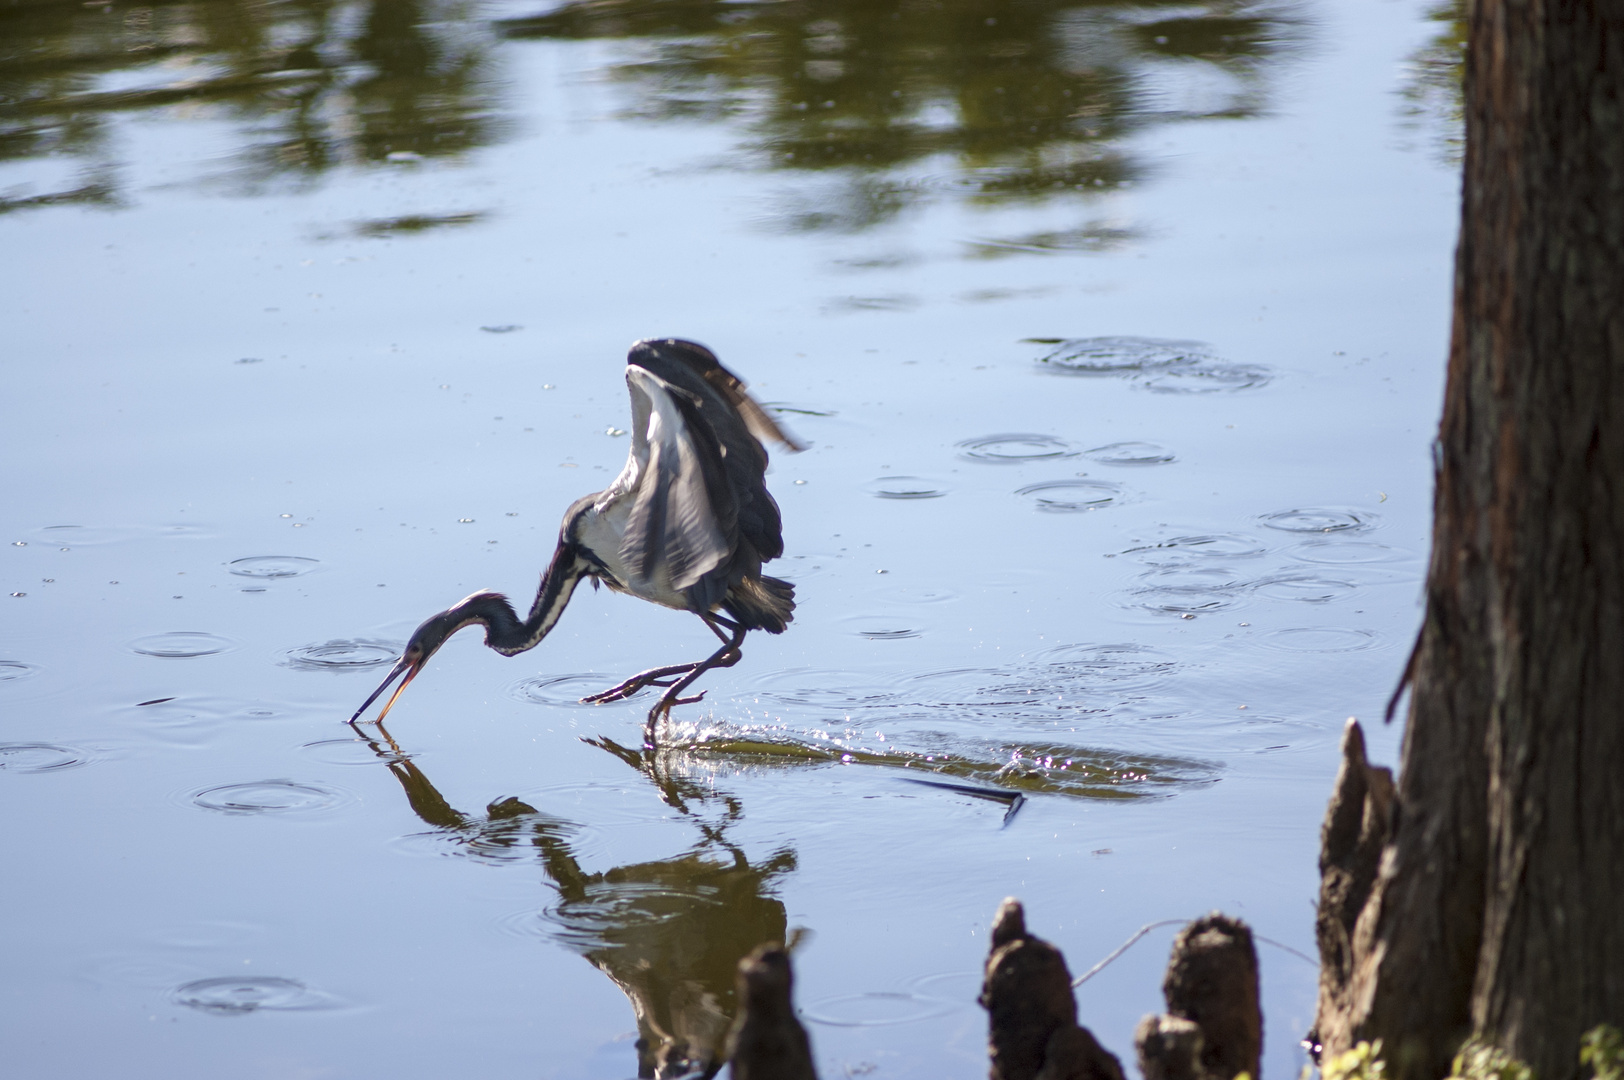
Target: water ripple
x=562, y=689
x=905, y=487
x=1208, y=379
x=512, y=832
x=1319, y=520
x=1014, y=449
x=1073, y=496
x=182, y=643
x=272, y=566
x=269, y=797
x=1130, y=453
x=353, y=752
x=1347, y=552
x=40, y=757
x=342, y=655
x=1122, y=666
x=1229, y=545
x=1156, y=364
x=14, y=670
x=882, y=627
x=87, y=535
x=831, y=689
x=877, y=1009
x=238, y=995
x=1321, y=639
x=1123, y=355
x=1309, y=588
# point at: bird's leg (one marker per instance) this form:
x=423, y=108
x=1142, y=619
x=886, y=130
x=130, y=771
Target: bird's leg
x=663, y=676
x=726, y=656
x=653, y=677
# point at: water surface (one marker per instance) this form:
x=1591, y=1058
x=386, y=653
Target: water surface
x=1115, y=330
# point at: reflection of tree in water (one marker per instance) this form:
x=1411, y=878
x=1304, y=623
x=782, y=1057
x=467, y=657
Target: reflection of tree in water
x=1005, y=101
x=669, y=933
x=1020, y=101
x=309, y=84
x=1433, y=89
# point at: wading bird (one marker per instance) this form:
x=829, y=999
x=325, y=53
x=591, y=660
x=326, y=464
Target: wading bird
x=687, y=524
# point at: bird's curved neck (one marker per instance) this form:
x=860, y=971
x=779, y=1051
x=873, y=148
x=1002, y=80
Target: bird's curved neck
x=504, y=630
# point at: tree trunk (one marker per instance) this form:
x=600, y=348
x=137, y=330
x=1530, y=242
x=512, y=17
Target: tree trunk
x=1499, y=907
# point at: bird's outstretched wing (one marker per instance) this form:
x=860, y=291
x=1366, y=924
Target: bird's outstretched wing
x=677, y=528
x=700, y=506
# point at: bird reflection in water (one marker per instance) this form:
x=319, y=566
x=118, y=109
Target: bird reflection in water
x=669, y=933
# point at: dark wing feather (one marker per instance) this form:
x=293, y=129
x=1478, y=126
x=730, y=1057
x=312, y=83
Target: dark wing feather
x=683, y=516
x=734, y=422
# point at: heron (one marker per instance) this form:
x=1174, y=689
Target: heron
x=687, y=524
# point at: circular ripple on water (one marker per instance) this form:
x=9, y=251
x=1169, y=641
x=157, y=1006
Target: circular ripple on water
x=1014, y=449
x=905, y=487
x=236, y=995
x=1321, y=639
x=272, y=566
x=1208, y=378
x=354, y=752
x=32, y=757
x=1121, y=666
x=269, y=797
x=563, y=689
x=182, y=643
x=1347, y=552
x=1073, y=496
x=1178, y=603
x=1130, y=453
x=1193, y=579
x=342, y=655
x=1124, y=355
x=882, y=627
x=877, y=1009
x=1205, y=545
x=1315, y=519
x=1308, y=588
x=13, y=670
x=79, y=535
x=831, y=689
x=1189, y=590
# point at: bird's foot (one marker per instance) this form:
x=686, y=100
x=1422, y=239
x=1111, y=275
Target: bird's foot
x=661, y=676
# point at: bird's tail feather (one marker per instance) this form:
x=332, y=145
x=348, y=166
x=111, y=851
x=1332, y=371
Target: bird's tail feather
x=764, y=603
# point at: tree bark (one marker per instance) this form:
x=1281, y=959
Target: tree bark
x=1498, y=910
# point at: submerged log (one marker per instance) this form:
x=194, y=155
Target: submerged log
x=768, y=1041
x=1032, y=1017
x=1211, y=986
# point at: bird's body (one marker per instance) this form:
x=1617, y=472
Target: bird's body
x=687, y=525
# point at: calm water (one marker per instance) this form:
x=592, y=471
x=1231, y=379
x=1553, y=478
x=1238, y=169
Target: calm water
x=1116, y=331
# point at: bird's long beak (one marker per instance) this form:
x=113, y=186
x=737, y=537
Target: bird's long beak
x=403, y=666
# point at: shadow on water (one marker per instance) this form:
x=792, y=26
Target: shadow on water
x=895, y=105
x=670, y=932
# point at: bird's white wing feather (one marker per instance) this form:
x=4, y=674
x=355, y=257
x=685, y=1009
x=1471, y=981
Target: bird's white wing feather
x=672, y=538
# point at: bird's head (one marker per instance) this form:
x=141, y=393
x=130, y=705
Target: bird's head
x=425, y=642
